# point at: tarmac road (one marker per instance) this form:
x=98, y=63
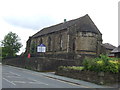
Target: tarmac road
x=14, y=77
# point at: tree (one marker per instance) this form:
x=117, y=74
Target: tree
x=11, y=45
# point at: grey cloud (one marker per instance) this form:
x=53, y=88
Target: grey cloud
x=31, y=22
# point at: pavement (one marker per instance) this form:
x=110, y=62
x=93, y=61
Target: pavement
x=75, y=81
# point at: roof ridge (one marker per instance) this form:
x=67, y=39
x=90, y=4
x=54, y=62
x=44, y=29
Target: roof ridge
x=60, y=26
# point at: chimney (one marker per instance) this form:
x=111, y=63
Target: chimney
x=65, y=20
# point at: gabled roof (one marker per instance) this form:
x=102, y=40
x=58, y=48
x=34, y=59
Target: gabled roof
x=116, y=50
x=84, y=24
x=41, y=45
x=108, y=46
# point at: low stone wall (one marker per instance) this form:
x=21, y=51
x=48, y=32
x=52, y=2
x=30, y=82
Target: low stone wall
x=91, y=76
x=40, y=63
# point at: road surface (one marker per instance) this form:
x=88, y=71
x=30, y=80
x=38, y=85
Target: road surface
x=13, y=77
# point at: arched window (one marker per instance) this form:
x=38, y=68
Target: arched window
x=32, y=47
x=61, y=42
x=74, y=44
x=49, y=43
x=40, y=41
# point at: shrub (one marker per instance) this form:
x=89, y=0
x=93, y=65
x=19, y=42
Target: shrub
x=89, y=64
x=103, y=63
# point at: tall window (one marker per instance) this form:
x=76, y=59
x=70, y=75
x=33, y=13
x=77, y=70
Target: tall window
x=74, y=44
x=40, y=41
x=61, y=42
x=32, y=47
x=49, y=44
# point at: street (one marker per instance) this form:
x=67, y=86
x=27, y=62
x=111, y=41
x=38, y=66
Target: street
x=13, y=77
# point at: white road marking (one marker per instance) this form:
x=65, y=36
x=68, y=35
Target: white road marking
x=36, y=81
x=23, y=82
x=9, y=81
x=13, y=77
x=32, y=79
x=19, y=82
x=14, y=73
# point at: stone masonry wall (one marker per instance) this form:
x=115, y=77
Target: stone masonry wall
x=57, y=45
x=91, y=76
x=39, y=64
x=86, y=43
x=78, y=44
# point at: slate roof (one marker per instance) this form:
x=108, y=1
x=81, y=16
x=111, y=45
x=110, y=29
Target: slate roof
x=108, y=46
x=116, y=50
x=84, y=24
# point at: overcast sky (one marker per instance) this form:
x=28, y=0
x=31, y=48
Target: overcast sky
x=26, y=17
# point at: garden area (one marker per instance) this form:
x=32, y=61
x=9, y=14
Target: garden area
x=100, y=70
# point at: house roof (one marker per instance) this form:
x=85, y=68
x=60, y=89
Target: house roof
x=108, y=46
x=83, y=24
x=116, y=50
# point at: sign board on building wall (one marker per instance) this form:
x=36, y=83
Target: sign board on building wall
x=41, y=48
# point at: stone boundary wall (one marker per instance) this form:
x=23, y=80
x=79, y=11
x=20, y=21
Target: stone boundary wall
x=39, y=63
x=91, y=76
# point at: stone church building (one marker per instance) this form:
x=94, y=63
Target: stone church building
x=74, y=39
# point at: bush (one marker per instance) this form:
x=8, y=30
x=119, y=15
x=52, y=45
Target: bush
x=89, y=64
x=103, y=63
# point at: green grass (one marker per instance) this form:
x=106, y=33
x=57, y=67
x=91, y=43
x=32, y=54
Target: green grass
x=72, y=67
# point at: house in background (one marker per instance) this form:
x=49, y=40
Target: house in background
x=72, y=39
x=106, y=48
x=116, y=52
